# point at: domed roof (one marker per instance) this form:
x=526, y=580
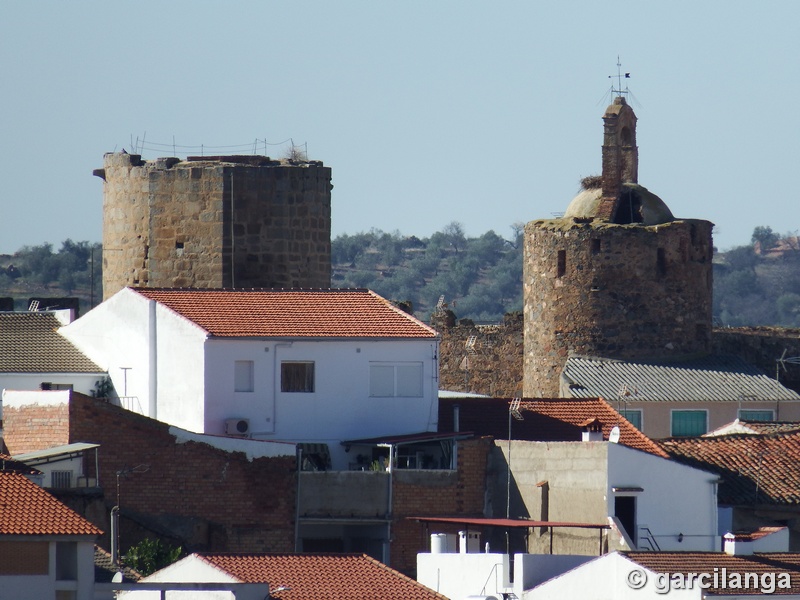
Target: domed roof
x=636, y=204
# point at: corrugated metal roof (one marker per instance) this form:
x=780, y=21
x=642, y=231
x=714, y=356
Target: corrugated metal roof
x=67, y=449
x=508, y=523
x=30, y=343
x=713, y=378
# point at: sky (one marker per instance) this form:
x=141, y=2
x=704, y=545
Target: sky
x=429, y=113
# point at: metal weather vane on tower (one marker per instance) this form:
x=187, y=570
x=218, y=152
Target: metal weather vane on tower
x=619, y=77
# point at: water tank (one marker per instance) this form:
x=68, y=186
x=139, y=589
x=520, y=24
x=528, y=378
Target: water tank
x=442, y=543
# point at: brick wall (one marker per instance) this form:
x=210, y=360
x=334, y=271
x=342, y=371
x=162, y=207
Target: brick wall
x=189, y=493
x=35, y=427
x=419, y=494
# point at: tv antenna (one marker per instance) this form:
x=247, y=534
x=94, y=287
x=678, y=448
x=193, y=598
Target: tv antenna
x=781, y=363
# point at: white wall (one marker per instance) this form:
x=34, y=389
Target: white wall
x=339, y=408
x=676, y=498
x=605, y=578
x=119, y=333
x=37, y=587
x=458, y=575
x=81, y=382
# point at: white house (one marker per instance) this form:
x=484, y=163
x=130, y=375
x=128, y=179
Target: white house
x=46, y=549
x=689, y=575
x=306, y=366
x=33, y=356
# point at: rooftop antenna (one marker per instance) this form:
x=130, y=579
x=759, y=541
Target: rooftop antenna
x=781, y=363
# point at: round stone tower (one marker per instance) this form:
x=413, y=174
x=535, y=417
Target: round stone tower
x=215, y=222
x=617, y=276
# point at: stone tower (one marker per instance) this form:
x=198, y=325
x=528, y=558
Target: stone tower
x=214, y=222
x=617, y=276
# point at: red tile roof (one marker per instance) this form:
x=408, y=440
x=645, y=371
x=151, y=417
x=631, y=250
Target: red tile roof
x=322, y=576
x=9, y=465
x=756, y=534
x=715, y=562
x=544, y=420
x=332, y=313
x=755, y=469
x=26, y=509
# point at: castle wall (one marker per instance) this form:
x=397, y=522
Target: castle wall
x=617, y=291
x=169, y=223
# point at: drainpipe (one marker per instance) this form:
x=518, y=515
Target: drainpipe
x=299, y=458
x=153, y=361
x=456, y=428
x=390, y=501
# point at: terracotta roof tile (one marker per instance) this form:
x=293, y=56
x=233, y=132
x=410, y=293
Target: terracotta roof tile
x=9, y=465
x=544, y=420
x=30, y=343
x=711, y=562
x=27, y=509
x=755, y=469
x=755, y=534
x=323, y=576
x=345, y=313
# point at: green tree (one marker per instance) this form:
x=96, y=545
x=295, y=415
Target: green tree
x=765, y=237
x=150, y=555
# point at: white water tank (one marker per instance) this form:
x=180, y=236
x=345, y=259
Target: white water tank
x=442, y=543
x=469, y=542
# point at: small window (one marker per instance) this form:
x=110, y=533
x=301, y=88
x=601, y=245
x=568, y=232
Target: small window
x=243, y=376
x=596, y=246
x=297, y=376
x=389, y=380
x=689, y=422
x=634, y=416
x=562, y=263
x=61, y=479
x=661, y=262
x=756, y=415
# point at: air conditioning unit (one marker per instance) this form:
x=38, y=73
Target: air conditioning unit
x=237, y=426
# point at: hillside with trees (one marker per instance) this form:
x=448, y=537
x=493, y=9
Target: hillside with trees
x=480, y=277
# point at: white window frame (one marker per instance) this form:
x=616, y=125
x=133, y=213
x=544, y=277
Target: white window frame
x=379, y=387
x=243, y=376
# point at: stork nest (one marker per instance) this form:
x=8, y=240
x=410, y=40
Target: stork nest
x=592, y=182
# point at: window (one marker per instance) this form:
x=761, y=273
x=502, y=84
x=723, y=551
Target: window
x=243, y=376
x=562, y=263
x=756, y=415
x=689, y=422
x=66, y=561
x=634, y=416
x=389, y=380
x=61, y=479
x=297, y=376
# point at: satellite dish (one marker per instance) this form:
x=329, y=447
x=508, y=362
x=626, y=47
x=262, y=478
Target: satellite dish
x=613, y=437
x=117, y=577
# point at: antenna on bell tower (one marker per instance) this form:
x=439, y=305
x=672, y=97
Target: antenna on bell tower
x=619, y=77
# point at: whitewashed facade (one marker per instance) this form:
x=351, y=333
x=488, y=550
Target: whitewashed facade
x=167, y=367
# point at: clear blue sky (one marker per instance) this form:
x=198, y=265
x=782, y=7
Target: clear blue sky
x=428, y=112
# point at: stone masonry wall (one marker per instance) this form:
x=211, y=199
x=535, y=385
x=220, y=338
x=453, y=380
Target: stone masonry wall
x=618, y=291
x=169, y=223
x=493, y=367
